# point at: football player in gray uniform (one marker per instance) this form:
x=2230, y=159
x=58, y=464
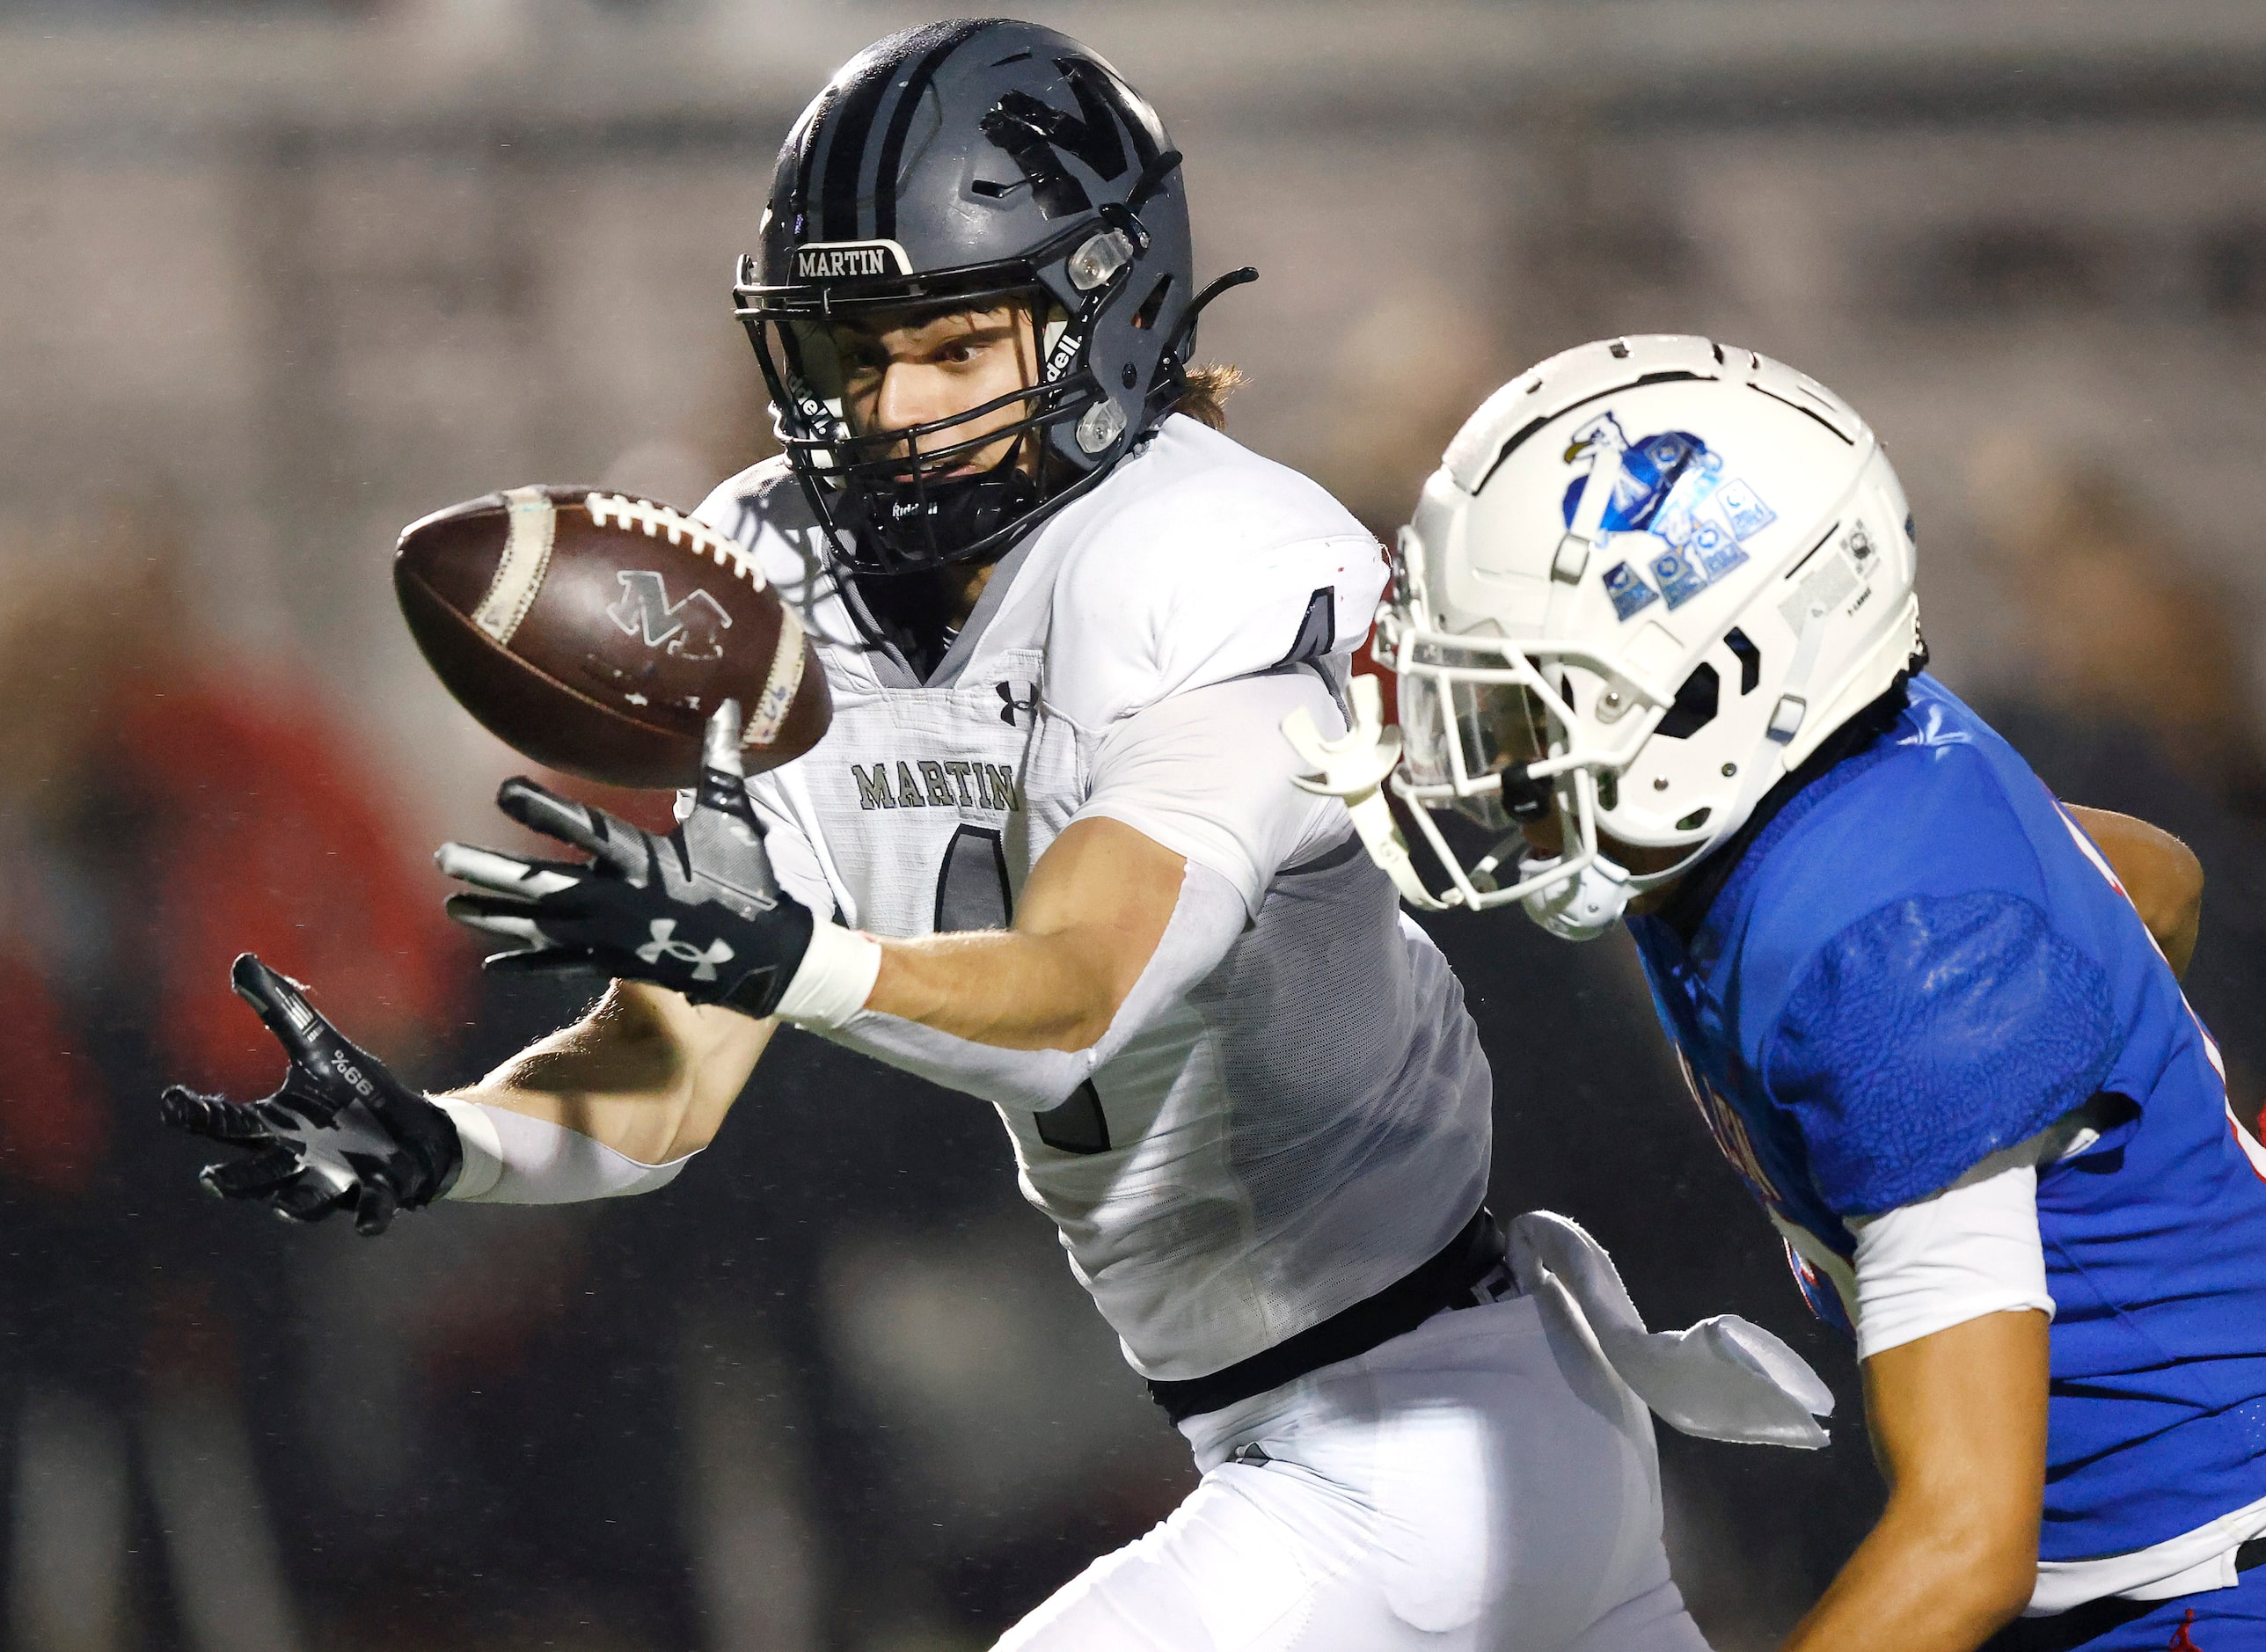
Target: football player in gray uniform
x=1048, y=854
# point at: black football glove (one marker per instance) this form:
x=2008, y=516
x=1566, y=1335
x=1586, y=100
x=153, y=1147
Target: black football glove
x=697, y=911
x=343, y=1133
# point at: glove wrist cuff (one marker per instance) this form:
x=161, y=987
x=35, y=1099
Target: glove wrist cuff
x=834, y=980
x=482, y=1147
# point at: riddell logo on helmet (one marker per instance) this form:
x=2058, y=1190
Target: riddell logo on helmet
x=1063, y=356
x=850, y=261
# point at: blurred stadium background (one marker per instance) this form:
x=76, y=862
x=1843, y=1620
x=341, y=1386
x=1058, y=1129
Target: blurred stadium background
x=275, y=279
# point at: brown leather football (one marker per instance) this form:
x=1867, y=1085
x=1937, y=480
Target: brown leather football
x=595, y=632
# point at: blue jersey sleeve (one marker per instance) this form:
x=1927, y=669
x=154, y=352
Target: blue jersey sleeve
x=1929, y=1033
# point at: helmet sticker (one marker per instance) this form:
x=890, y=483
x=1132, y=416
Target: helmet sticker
x=1823, y=588
x=1627, y=587
x=1683, y=576
x=1033, y=132
x=1747, y=514
x=1670, y=492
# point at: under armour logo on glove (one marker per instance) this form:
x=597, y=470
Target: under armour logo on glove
x=664, y=943
x=619, y=913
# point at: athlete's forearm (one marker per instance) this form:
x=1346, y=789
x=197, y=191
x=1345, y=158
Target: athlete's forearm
x=2159, y=872
x=1098, y=903
x=1007, y=990
x=1958, y=1421
x=644, y=1072
x=1919, y=1583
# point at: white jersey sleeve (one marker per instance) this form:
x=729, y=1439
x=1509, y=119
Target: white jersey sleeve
x=1206, y=773
x=1216, y=573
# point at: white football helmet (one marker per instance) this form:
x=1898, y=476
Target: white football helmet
x=1650, y=575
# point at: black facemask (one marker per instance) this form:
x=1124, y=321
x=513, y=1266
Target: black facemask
x=923, y=524
x=934, y=522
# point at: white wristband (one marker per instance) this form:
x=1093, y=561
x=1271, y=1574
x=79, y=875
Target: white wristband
x=482, y=1147
x=834, y=980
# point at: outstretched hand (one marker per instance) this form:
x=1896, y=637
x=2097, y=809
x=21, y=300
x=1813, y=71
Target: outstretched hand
x=698, y=911
x=341, y=1133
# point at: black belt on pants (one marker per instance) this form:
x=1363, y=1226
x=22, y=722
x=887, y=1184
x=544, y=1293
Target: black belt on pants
x=1452, y=1279
x=2065, y=1630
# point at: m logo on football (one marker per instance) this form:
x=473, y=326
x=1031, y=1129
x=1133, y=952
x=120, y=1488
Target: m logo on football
x=692, y=628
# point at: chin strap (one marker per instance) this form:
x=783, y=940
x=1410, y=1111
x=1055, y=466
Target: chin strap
x=1353, y=768
x=1583, y=906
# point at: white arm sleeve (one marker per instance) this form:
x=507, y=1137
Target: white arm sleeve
x=1206, y=921
x=1971, y=1250
x=1967, y=1252
x=1208, y=775
x=510, y=1158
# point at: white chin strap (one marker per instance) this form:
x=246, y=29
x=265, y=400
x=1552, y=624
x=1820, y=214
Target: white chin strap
x=1353, y=768
x=1581, y=907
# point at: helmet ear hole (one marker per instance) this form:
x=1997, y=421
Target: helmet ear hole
x=1146, y=317
x=1750, y=658
x=1695, y=704
x=1565, y=687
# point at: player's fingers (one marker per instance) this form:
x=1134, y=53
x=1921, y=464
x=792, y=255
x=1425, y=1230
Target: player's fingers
x=549, y=961
x=253, y=1178
x=214, y=1116
x=720, y=742
x=374, y=1209
x=496, y=915
x=590, y=829
x=501, y=874
x=723, y=779
x=306, y=1198
x=296, y=1023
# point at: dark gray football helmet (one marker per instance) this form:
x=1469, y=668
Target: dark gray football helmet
x=957, y=164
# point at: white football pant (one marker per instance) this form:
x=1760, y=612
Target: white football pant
x=1465, y=1488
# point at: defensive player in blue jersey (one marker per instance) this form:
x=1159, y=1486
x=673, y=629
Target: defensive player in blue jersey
x=1658, y=657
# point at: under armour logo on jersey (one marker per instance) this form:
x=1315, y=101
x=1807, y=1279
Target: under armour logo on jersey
x=664, y=941
x=1009, y=705
x=689, y=627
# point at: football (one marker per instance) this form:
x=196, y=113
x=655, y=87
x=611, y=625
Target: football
x=595, y=632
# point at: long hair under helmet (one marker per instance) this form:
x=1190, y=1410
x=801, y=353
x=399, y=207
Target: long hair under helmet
x=968, y=163
x=1649, y=578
